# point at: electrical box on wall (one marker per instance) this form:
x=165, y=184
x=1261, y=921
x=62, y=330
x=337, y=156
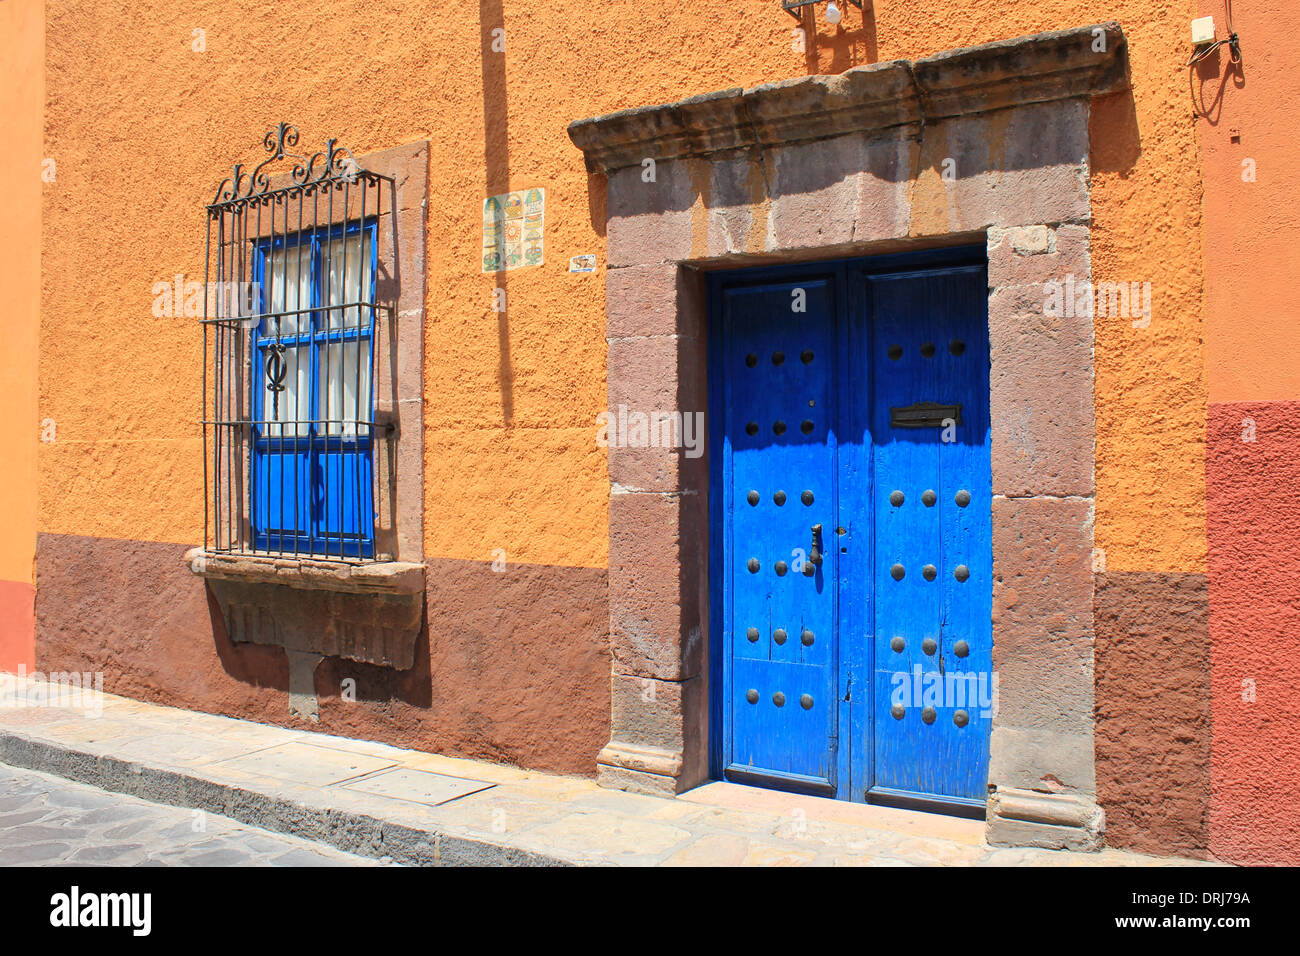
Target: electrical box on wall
x=1202, y=31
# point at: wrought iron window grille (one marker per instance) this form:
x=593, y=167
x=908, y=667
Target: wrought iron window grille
x=293, y=331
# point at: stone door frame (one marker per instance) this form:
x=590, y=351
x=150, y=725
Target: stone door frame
x=984, y=144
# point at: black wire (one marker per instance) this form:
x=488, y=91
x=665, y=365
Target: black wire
x=1233, y=45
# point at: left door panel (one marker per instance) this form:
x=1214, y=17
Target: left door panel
x=775, y=362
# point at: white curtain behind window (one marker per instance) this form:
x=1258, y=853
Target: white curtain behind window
x=346, y=264
x=286, y=285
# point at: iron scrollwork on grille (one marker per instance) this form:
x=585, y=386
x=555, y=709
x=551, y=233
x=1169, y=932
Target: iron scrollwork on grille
x=275, y=372
x=332, y=163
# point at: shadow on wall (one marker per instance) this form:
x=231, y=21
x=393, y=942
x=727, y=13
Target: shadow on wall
x=496, y=166
x=1114, y=139
x=256, y=666
x=847, y=47
x=1203, y=73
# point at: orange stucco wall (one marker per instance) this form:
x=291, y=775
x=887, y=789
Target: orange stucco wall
x=144, y=127
x=22, y=32
x=145, y=116
x=1251, y=166
x=1252, y=257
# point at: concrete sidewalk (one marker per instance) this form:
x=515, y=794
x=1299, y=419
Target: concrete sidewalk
x=417, y=808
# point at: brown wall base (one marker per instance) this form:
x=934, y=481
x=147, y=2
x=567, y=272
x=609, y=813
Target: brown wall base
x=1153, y=711
x=511, y=665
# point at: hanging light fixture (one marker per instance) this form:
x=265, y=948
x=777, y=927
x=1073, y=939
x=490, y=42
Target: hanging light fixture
x=834, y=9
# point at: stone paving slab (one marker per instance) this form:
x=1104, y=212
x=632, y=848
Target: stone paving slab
x=387, y=803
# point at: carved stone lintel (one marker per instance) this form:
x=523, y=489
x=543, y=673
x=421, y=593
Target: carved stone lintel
x=1063, y=64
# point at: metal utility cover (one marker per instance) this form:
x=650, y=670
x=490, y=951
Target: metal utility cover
x=419, y=786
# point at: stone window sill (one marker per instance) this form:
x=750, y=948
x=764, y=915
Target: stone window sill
x=381, y=577
x=370, y=613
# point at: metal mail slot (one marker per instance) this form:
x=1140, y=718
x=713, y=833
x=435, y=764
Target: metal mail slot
x=924, y=415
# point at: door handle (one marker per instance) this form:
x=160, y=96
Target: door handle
x=814, y=553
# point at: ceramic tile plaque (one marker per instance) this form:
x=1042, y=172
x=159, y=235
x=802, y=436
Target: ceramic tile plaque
x=512, y=229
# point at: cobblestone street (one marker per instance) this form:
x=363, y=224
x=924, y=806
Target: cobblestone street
x=49, y=821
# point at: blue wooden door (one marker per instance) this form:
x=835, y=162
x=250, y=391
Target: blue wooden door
x=931, y=505
x=776, y=362
x=852, y=529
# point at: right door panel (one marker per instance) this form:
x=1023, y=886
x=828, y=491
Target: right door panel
x=931, y=506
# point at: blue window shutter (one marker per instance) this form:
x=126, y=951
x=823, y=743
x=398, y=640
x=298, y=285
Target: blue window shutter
x=311, y=485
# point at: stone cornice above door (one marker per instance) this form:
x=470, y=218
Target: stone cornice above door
x=1065, y=64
